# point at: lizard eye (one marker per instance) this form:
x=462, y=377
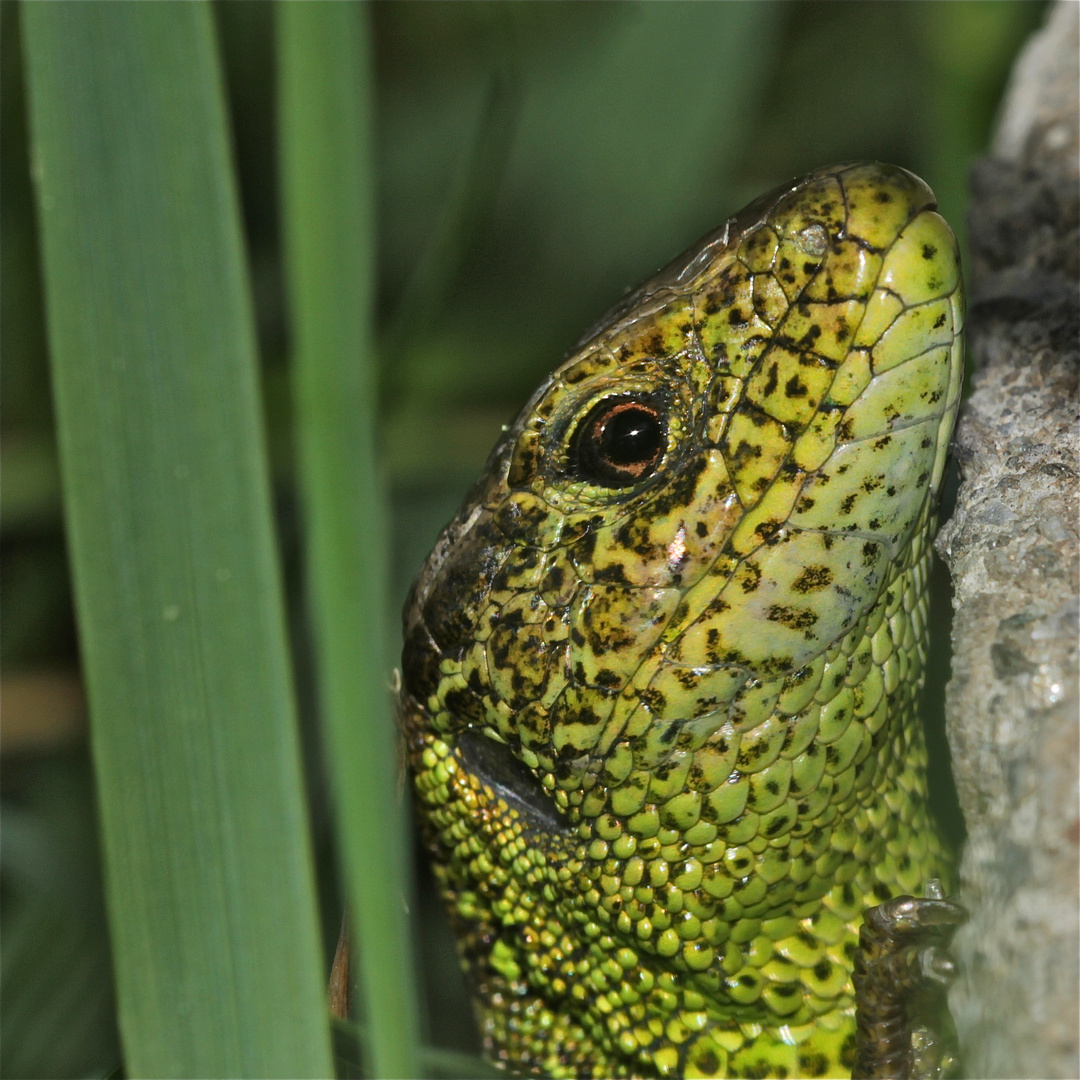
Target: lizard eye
x=620, y=441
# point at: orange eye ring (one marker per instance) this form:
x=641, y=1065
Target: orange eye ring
x=620, y=442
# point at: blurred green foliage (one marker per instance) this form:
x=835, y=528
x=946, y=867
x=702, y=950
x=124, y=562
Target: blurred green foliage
x=325, y=129
x=535, y=160
x=215, y=935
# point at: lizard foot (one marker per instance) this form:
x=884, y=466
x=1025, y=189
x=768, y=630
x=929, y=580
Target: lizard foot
x=901, y=971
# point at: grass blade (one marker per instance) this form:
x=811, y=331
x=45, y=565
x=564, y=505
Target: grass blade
x=325, y=112
x=209, y=871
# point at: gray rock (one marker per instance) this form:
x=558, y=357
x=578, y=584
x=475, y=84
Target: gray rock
x=1013, y=704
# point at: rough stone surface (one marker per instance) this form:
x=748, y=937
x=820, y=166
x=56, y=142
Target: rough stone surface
x=1012, y=546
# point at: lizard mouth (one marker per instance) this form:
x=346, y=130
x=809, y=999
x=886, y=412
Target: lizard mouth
x=494, y=764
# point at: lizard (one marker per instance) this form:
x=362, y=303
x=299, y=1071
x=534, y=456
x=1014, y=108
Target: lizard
x=660, y=675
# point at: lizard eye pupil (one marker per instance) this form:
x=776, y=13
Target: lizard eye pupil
x=620, y=441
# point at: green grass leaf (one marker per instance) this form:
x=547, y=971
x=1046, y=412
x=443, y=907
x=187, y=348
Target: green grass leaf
x=208, y=862
x=325, y=112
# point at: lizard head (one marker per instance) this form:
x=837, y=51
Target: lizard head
x=649, y=635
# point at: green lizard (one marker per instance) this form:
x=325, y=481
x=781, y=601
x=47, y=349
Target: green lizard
x=660, y=672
